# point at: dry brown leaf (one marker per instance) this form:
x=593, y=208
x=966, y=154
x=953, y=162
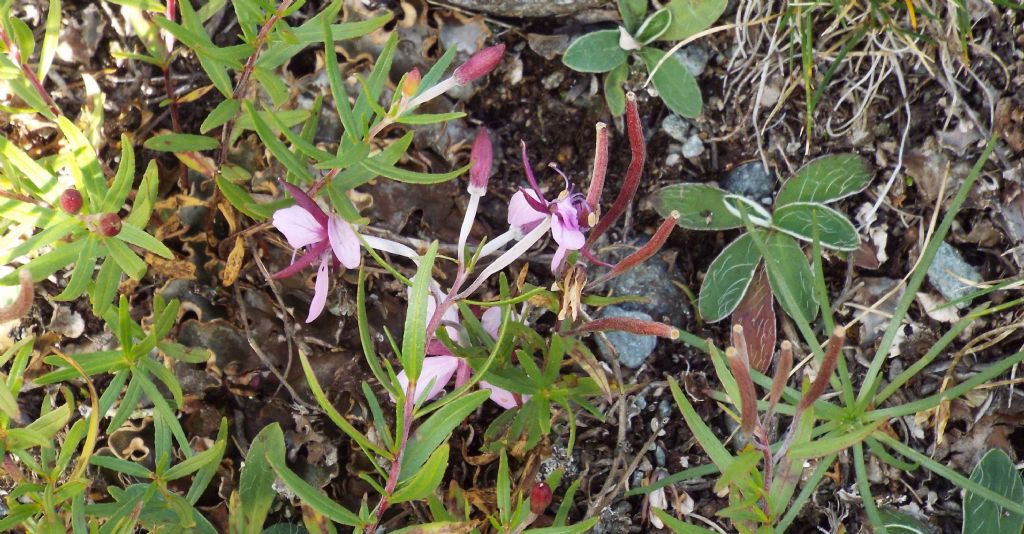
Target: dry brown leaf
x=172, y=269
x=586, y=360
x=234, y=263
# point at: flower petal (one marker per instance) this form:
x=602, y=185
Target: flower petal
x=437, y=371
x=491, y=321
x=307, y=203
x=299, y=226
x=503, y=397
x=344, y=241
x=312, y=254
x=316, y=306
x=557, y=259
x=462, y=373
x=565, y=227
x=521, y=214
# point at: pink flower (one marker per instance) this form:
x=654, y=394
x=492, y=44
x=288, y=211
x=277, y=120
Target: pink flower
x=441, y=365
x=306, y=226
x=568, y=214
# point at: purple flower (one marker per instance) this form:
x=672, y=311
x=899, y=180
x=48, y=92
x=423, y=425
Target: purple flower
x=306, y=226
x=441, y=364
x=568, y=215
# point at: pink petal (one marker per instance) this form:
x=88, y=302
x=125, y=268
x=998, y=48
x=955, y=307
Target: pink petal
x=491, y=321
x=462, y=373
x=312, y=254
x=565, y=228
x=307, y=203
x=502, y=397
x=557, y=259
x=438, y=369
x=298, y=226
x=344, y=241
x=521, y=215
x=316, y=306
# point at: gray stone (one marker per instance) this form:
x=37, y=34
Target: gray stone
x=652, y=281
x=676, y=127
x=694, y=57
x=948, y=272
x=632, y=349
x=693, y=146
x=665, y=409
x=751, y=180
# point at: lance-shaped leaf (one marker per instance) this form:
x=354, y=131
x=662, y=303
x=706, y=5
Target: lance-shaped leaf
x=676, y=85
x=788, y=271
x=826, y=179
x=728, y=278
x=700, y=206
x=800, y=218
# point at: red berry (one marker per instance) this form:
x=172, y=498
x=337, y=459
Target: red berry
x=540, y=498
x=110, y=224
x=71, y=201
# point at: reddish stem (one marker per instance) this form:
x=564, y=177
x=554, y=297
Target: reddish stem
x=31, y=76
x=631, y=182
x=243, y=80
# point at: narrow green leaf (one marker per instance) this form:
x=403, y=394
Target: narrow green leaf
x=256, y=482
x=414, y=337
x=179, y=142
x=412, y=177
x=138, y=237
x=426, y=480
x=82, y=273
x=51, y=35
x=789, y=264
x=85, y=157
x=678, y=526
x=224, y=112
x=123, y=180
x=701, y=432
x=430, y=434
x=131, y=469
x=311, y=496
x=614, y=95
x=126, y=258
x=429, y=118
x=799, y=219
x=290, y=161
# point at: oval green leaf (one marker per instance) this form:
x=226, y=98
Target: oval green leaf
x=700, y=206
x=826, y=179
x=595, y=52
x=996, y=472
x=690, y=17
x=676, y=86
x=654, y=26
x=834, y=230
x=728, y=278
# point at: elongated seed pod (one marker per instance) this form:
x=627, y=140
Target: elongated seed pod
x=748, y=397
x=828, y=366
x=782, y=370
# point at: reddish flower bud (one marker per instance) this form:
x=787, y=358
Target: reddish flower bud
x=540, y=498
x=481, y=157
x=71, y=201
x=109, y=224
x=411, y=83
x=480, y=64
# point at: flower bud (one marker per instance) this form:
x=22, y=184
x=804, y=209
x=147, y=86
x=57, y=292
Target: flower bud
x=540, y=498
x=481, y=156
x=411, y=83
x=109, y=224
x=71, y=201
x=479, y=64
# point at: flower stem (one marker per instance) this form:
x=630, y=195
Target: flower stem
x=467, y=225
x=509, y=256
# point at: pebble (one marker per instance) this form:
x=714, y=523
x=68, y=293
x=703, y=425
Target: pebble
x=694, y=57
x=665, y=409
x=751, y=180
x=947, y=272
x=693, y=146
x=553, y=80
x=652, y=280
x=676, y=127
x=632, y=349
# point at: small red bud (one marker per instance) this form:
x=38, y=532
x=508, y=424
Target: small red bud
x=479, y=64
x=411, y=83
x=110, y=224
x=540, y=498
x=482, y=156
x=71, y=201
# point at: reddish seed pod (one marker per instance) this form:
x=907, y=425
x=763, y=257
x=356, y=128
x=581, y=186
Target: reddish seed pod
x=540, y=498
x=109, y=224
x=479, y=65
x=71, y=201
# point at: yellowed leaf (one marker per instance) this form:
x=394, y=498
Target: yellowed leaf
x=234, y=263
